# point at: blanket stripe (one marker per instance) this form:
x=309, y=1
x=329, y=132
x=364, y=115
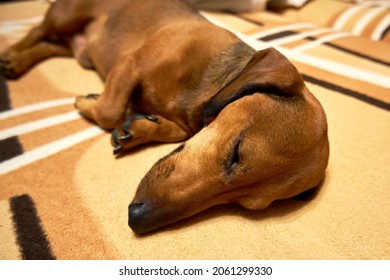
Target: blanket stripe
x=47, y=150
x=34, y=107
x=291, y=36
x=382, y=29
x=348, y=92
x=358, y=54
x=4, y=95
x=10, y=148
x=369, y=19
x=40, y=124
x=30, y=234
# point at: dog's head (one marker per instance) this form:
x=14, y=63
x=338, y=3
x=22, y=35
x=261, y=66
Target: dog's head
x=267, y=141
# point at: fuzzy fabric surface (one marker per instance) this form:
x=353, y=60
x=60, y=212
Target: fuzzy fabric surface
x=63, y=195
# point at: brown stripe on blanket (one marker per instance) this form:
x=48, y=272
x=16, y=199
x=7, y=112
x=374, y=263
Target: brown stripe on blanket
x=338, y=46
x=358, y=54
x=72, y=231
x=354, y=19
x=9, y=148
x=30, y=233
x=376, y=50
x=331, y=54
x=372, y=25
x=367, y=29
x=328, y=13
x=23, y=141
x=362, y=88
x=358, y=95
x=385, y=36
x=275, y=36
x=4, y=95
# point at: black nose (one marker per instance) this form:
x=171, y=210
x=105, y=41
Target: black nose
x=136, y=217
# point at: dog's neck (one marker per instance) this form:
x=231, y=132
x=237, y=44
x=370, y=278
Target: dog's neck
x=223, y=69
x=228, y=65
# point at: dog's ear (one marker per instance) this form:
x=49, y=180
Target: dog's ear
x=268, y=72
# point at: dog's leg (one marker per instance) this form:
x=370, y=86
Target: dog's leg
x=109, y=108
x=63, y=19
x=32, y=49
x=140, y=129
x=35, y=35
x=13, y=64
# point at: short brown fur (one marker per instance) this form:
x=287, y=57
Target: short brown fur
x=254, y=132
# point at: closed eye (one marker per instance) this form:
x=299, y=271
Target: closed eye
x=234, y=158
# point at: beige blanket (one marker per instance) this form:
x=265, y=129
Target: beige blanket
x=63, y=195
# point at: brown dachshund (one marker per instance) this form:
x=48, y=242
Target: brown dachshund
x=255, y=132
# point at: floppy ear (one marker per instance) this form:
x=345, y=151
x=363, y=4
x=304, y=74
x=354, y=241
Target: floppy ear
x=268, y=72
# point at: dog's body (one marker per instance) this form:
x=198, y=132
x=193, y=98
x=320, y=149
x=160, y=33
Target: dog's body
x=256, y=132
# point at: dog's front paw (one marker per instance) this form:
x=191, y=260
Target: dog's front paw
x=130, y=133
x=6, y=69
x=11, y=65
x=85, y=104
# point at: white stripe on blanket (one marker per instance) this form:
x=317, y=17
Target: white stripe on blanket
x=300, y=36
x=380, y=28
x=348, y=14
x=36, y=107
x=48, y=150
x=366, y=19
x=40, y=124
x=327, y=65
x=319, y=41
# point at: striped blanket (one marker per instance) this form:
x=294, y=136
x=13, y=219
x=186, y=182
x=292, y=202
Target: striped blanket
x=64, y=196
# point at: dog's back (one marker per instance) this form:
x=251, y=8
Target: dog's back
x=180, y=56
x=117, y=27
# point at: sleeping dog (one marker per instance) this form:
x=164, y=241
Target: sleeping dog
x=254, y=132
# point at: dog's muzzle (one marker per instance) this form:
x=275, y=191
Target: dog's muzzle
x=148, y=216
x=136, y=217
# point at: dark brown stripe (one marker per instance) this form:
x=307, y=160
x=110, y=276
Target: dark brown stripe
x=10, y=148
x=30, y=235
x=4, y=95
x=358, y=54
x=277, y=36
x=349, y=51
x=358, y=95
x=384, y=33
x=332, y=45
x=256, y=22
